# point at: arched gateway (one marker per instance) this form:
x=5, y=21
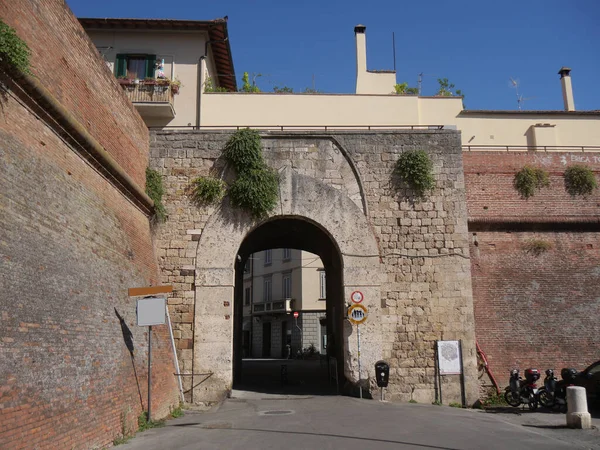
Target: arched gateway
x=338, y=198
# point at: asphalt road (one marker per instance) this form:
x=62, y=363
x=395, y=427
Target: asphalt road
x=255, y=421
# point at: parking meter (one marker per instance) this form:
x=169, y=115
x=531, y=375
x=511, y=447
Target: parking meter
x=382, y=373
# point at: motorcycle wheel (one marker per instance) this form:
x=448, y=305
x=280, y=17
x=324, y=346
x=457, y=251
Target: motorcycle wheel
x=545, y=398
x=511, y=399
x=533, y=402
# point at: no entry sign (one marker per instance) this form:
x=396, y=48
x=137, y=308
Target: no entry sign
x=357, y=297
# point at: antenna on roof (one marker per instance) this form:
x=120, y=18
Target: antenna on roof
x=394, y=49
x=520, y=100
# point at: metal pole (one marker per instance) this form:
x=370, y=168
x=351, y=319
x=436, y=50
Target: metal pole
x=359, y=371
x=301, y=337
x=462, y=375
x=149, y=372
x=176, y=360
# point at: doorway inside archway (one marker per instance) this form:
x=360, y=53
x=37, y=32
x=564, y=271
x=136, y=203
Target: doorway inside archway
x=288, y=310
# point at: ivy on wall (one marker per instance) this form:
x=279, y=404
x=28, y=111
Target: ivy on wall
x=155, y=190
x=256, y=186
x=415, y=168
x=13, y=50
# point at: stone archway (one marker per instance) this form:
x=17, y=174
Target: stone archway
x=302, y=198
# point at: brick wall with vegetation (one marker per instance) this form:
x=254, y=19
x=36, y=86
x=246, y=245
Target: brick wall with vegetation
x=71, y=244
x=67, y=63
x=535, y=263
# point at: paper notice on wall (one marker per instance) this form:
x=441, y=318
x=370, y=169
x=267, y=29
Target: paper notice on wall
x=448, y=353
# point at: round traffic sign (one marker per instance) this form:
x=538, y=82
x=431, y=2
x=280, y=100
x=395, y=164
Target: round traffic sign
x=357, y=297
x=357, y=314
x=296, y=314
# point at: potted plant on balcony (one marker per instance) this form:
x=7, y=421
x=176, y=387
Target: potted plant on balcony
x=150, y=81
x=175, y=85
x=124, y=81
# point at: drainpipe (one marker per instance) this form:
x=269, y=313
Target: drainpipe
x=201, y=80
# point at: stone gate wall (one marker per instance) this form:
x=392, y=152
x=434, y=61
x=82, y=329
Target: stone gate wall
x=424, y=274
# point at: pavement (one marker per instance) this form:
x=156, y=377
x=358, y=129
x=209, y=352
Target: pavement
x=253, y=420
x=304, y=412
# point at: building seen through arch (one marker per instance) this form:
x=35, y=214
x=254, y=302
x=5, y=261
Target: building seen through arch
x=284, y=299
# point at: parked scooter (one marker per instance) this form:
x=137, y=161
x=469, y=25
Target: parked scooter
x=554, y=392
x=546, y=394
x=521, y=391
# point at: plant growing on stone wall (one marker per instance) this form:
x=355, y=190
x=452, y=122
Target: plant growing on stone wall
x=537, y=246
x=416, y=169
x=256, y=186
x=255, y=190
x=13, y=50
x=580, y=180
x=529, y=179
x=208, y=190
x=155, y=190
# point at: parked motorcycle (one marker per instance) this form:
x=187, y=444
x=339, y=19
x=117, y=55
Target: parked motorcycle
x=521, y=391
x=554, y=392
x=546, y=394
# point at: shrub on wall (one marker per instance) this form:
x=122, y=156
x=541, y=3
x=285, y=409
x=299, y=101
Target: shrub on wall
x=530, y=179
x=255, y=190
x=416, y=169
x=580, y=180
x=537, y=246
x=155, y=190
x=13, y=50
x=208, y=190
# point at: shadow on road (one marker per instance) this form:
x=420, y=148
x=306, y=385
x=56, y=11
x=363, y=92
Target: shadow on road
x=343, y=436
x=286, y=377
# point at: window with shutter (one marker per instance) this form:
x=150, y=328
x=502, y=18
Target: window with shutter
x=121, y=66
x=150, y=66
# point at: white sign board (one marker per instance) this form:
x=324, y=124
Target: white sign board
x=449, y=357
x=150, y=311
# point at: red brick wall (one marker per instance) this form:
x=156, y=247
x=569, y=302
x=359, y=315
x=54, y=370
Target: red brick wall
x=69, y=66
x=70, y=246
x=533, y=310
x=491, y=196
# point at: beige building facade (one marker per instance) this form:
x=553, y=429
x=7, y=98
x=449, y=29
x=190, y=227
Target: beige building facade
x=284, y=304
x=143, y=52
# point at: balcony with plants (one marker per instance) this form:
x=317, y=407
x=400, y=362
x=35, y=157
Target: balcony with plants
x=145, y=84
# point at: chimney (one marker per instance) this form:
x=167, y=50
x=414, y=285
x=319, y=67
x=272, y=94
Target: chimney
x=361, y=49
x=567, y=88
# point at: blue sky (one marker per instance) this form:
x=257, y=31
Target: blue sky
x=477, y=45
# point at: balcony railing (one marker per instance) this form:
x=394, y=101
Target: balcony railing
x=151, y=98
x=277, y=306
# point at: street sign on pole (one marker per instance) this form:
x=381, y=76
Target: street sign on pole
x=357, y=297
x=150, y=311
x=357, y=314
x=296, y=314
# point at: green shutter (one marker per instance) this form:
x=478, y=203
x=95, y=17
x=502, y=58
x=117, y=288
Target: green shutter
x=121, y=66
x=150, y=65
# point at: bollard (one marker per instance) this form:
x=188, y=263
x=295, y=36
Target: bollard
x=577, y=413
